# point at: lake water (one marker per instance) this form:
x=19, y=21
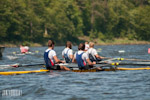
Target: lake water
x=65, y=85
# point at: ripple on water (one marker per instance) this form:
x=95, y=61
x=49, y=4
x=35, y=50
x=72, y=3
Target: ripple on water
x=118, y=85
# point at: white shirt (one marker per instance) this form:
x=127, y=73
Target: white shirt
x=86, y=46
x=26, y=47
x=51, y=54
x=92, y=51
x=70, y=52
x=84, y=56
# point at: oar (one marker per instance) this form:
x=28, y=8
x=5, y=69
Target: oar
x=37, y=64
x=10, y=65
x=22, y=65
x=107, y=65
x=134, y=63
x=133, y=59
x=126, y=59
x=108, y=60
x=127, y=63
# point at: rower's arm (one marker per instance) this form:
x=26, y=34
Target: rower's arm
x=57, y=60
x=89, y=62
x=97, y=56
x=74, y=60
x=63, y=56
x=63, y=53
x=71, y=56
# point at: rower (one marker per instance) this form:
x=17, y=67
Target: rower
x=24, y=49
x=82, y=58
x=67, y=53
x=93, y=55
x=86, y=46
x=50, y=58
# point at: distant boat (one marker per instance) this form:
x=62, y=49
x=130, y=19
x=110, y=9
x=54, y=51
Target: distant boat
x=121, y=51
x=1, y=51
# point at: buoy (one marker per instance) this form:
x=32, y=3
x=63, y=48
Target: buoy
x=14, y=52
x=148, y=50
x=36, y=51
x=99, y=49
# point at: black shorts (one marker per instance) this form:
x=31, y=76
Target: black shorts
x=55, y=67
x=86, y=67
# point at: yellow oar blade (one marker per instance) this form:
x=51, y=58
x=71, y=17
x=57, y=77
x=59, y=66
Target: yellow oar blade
x=23, y=72
x=144, y=68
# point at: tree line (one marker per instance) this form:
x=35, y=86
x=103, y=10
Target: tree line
x=62, y=20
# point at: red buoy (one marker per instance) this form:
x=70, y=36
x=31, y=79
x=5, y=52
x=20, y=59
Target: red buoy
x=148, y=50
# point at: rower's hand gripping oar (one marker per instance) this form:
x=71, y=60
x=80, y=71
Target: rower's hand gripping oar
x=107, y=63
x=111, y=65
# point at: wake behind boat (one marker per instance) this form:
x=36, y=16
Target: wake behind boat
x=27, y=53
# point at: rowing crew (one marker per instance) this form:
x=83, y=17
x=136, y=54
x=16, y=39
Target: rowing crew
x=24, y=49
x=85, y=60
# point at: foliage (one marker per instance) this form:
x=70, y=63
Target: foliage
x=62, y=20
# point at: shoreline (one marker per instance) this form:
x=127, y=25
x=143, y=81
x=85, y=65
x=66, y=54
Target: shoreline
x=115, y=41
x=10, y=45
x=137, y=43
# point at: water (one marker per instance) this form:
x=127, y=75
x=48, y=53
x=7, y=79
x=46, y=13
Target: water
x=118, y=85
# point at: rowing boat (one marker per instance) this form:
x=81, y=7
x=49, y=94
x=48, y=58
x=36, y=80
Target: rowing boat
x=73, y=70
